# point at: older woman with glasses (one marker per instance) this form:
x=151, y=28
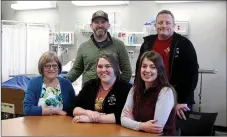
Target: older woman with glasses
x=48, y=94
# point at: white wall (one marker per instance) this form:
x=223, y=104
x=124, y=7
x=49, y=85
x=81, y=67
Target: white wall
x=207, y=31
x=1, y=46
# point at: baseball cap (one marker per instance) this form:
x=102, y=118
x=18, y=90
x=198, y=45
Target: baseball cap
x=100, y=14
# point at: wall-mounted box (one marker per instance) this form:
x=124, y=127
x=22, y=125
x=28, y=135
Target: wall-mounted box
x=181, y=27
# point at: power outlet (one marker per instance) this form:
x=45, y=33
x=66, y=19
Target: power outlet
x=131, y=53
x=66, y=50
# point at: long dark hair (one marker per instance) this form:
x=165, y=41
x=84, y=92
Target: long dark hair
x=161, y=80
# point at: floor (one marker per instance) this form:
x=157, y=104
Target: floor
x=219, y=133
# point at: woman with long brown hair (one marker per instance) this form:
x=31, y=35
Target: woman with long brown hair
x=150, y=105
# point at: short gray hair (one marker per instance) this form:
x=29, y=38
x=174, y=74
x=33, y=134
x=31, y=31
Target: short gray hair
x=166, y=12
x=48, y=57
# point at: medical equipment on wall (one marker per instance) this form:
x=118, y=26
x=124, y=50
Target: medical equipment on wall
x=57, y=37
x=148, y=27
x=62, y=53
x=59, y=40
x=131, y=38
x=51, y=37
x=65, y=38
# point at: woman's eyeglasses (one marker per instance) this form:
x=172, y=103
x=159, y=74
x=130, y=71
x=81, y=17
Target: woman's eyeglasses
x=48, y=66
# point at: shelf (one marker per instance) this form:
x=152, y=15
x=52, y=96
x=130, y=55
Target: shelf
x=137, y=33
x=86, y=31
x=133, y=45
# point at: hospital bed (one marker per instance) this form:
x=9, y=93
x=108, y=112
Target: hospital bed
x=13, y=95
x=76, y=84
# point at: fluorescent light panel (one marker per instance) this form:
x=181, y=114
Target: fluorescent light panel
x=99, y=3
x=176, y=1
x=31, y=5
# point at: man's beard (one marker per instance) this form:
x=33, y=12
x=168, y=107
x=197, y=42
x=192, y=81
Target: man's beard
x=100, y=32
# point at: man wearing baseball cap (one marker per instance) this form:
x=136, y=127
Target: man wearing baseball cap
x=100, y=41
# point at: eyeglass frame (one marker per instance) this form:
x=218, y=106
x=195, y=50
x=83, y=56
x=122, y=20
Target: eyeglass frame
x=49, y=66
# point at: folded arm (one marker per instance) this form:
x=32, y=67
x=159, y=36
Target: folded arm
x=94, y=116
x=79, y=111
x=164, y=106
x=127, y=119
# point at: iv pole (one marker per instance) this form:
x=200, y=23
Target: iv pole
x=204, y=71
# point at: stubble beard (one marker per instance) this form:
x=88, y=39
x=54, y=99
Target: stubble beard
x=100, y=33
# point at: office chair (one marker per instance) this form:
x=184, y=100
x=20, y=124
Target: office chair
x=197, y=124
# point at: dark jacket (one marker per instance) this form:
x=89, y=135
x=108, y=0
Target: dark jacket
x=120, y=90
x=32, y=95
x=183, y=65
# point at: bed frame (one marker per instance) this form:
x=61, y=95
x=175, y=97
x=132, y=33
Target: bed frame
x=12, y=100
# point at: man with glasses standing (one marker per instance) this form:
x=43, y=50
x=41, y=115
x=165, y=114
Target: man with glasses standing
x=100, y=42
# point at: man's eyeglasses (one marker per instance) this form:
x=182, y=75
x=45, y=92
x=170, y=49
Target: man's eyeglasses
x=48, y=66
